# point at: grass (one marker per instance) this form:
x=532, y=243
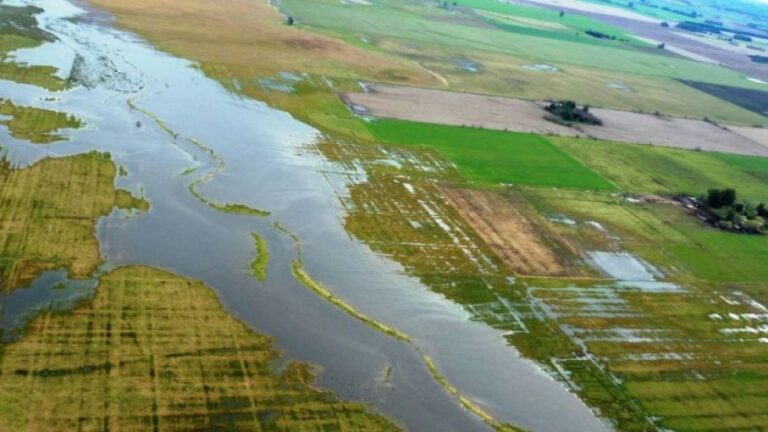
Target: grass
x=646, y=169
x=46, y=223
x=260, y=261
x=36, y=125
x=154, y=350
x=433, y=29
x=573, y=22
x=490, y=157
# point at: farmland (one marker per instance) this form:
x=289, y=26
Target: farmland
x=493, y=157
x=564, y=252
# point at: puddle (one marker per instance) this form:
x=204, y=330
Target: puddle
x=470, y=66
x=541, y=67
x=623, y=266
x=620, y=87
x=562, y=219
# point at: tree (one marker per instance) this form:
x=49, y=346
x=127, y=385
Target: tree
x=562, y=14
x=661, y=46
x=728, y=197
x=289, y=20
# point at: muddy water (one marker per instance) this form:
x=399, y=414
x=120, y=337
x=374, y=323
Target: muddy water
x=266, y=168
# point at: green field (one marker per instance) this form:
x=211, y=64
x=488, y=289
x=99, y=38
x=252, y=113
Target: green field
x=647, y=169
x=488, y=157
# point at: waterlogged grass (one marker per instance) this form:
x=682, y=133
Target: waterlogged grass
x=466, y=403
x=260, y=261
x=646, y=169
x=235, y=208
x=36, y=125
x=644, y=360
x=297, y=268
x=156, y=351
x=490, y=157
x=18, y=29
x=46, y=223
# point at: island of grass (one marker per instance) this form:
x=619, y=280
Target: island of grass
x=47, y=224
x=36, y=125
x=155, y=351
x=490, y=157
x=260, y=261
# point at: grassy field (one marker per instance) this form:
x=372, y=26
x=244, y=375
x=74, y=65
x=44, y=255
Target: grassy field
x=646, y=169
x=45, y=223
x=489, y=157
x=35, y=124
x=129, y=360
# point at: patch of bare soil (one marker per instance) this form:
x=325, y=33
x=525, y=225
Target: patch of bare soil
x=758, y=135
x=493, y=112
x=521, y=240
x=460, y=109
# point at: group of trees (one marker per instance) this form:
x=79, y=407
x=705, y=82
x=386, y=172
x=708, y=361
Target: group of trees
x=568, y=111
x=734, y=215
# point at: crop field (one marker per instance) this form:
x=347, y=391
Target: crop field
x=491, y=157
x=45, y=223
x=516, y=234
x=503, y=113
x=35, y=124
x=751, y=99
x=607, y=340
x=441, y=39
x=668, y=171
x=129, y=360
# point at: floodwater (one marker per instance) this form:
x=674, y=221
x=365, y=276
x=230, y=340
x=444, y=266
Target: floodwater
x=267, y=167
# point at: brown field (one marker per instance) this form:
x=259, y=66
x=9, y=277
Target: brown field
x=491, y=112
x=758, y=135
x=519, y=238
x=250, y=36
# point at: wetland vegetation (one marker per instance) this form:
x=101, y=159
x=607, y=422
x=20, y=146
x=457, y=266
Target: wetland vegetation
x=48, y=224
x=133, y=361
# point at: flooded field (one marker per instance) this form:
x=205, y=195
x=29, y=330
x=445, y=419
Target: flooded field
x=219, y=173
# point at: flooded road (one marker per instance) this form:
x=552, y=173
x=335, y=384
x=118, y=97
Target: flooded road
x=169, y=126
